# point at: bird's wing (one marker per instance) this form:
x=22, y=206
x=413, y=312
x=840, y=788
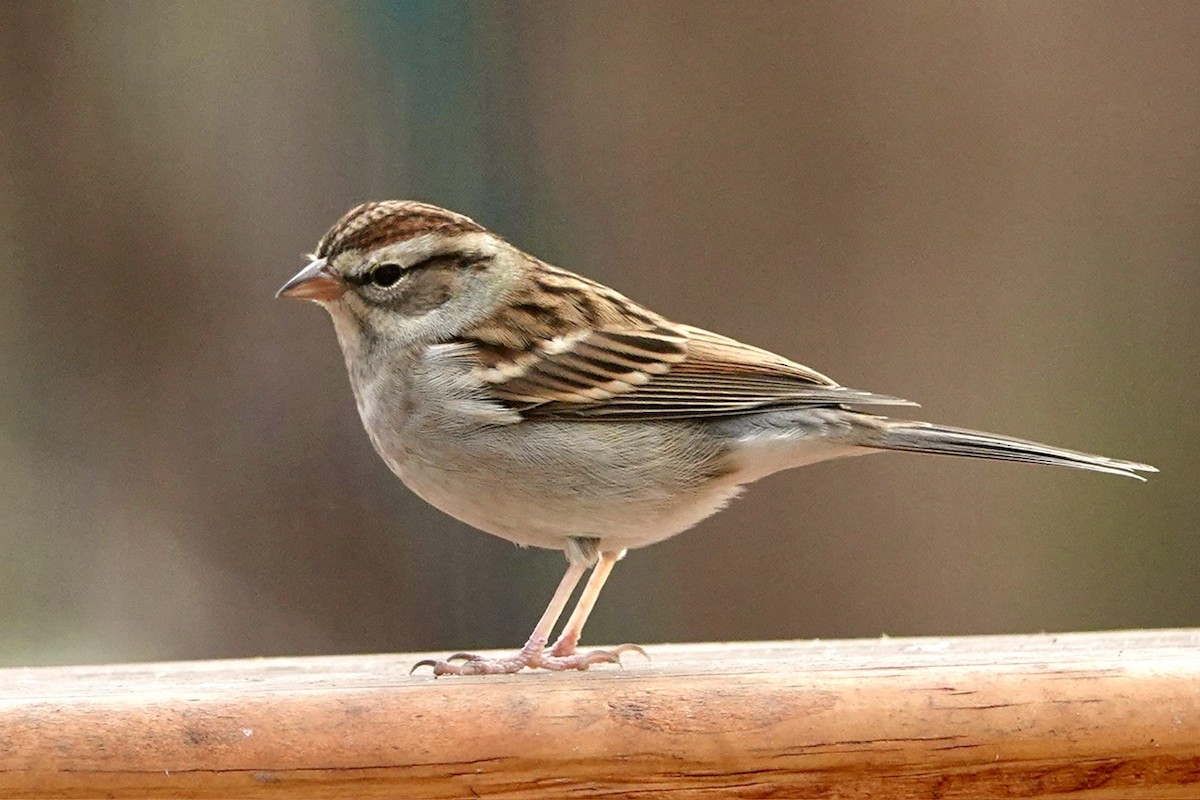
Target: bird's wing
x=581, y=353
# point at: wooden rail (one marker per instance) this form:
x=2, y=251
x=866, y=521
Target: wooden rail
x=1109, y=715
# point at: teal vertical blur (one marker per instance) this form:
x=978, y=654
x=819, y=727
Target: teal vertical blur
x=445, y=107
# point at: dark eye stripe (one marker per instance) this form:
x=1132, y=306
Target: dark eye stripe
x=371, y=276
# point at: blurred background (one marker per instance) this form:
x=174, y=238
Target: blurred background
x=990, y=208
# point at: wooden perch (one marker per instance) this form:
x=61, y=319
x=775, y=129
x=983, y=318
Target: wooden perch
x=1108, y=715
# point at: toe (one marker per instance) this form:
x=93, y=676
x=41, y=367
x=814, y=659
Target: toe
x=439, y=667
x=599, y=657
x=582, y=661
x=492, y=666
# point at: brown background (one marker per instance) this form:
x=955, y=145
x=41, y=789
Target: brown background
x=991, y=208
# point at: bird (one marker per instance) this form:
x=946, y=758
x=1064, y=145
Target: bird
x=550, y=410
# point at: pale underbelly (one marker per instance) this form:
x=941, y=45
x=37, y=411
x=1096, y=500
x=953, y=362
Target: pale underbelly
x=550, y=483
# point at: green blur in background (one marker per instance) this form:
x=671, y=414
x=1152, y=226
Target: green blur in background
x=991, y=208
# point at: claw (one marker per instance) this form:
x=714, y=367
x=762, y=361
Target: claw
x=612, y=656
x=630, y=648
x=425, y=662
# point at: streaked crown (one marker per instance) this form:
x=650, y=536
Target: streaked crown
x=372, y=225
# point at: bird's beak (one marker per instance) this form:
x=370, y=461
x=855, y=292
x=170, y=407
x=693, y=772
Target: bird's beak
x=314, y=282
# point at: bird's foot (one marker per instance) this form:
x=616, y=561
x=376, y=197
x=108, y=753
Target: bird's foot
x=565, y=648
x=533, y=655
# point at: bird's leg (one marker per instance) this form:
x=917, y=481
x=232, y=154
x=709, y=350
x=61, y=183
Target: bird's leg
x=583, y=608
x=569, y=638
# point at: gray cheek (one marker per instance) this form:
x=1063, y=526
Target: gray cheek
x=425, y=290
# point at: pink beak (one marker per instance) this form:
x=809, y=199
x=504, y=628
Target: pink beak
x=314, y=282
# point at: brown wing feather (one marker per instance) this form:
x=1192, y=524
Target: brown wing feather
x=568, y=348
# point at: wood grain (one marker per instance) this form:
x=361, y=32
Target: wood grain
x=1105, y=715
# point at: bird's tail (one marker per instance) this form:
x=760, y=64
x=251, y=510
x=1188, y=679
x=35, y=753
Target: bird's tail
x=925, y=437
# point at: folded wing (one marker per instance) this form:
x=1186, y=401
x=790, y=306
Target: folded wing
x=663, y=371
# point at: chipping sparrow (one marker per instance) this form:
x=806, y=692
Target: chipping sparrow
x=550, y=410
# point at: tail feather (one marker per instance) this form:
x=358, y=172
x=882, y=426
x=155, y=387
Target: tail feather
x=926, y=437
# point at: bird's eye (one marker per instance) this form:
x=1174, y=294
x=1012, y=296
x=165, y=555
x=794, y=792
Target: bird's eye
x=385, y=274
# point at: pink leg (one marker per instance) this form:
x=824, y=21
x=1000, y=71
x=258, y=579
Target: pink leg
x=569, y=638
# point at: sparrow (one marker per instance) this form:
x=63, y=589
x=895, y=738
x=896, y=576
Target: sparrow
x=552, y=411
